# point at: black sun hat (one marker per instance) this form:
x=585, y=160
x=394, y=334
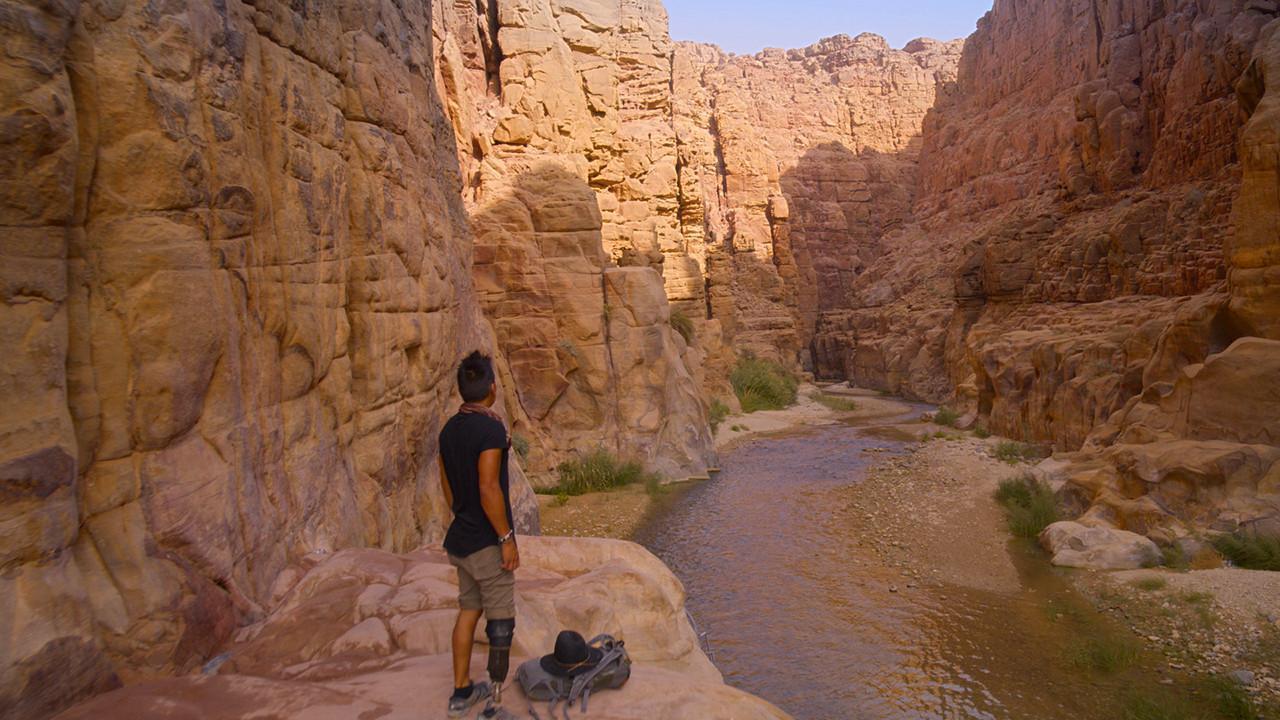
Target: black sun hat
x=572, y=656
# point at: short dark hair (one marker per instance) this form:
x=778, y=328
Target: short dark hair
x=475, y=377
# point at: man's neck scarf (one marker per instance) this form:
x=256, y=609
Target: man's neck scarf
x=478, y=409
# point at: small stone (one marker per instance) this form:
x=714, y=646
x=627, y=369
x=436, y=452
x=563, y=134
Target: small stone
x=1243, y=677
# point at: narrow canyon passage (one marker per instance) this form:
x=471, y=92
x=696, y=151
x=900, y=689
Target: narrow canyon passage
x=798, y=610
x=244, y=245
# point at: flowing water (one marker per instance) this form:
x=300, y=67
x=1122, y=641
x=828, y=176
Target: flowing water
x=794, y=613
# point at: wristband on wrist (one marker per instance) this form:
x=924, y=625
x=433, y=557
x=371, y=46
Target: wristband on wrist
x=511, y=535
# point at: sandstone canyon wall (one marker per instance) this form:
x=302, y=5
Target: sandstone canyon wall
x=1085, y=267
x=747, y=183
x=245, y=243
x=237, y=277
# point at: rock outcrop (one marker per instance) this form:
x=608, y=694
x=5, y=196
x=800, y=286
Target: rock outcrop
x=797, y=164
x=368, y=631
x=244, y=244
x=237, y=276
x=747, y=183
x=236, y=282
x=1070, y=265
x=1098, y=548
x=561, y=111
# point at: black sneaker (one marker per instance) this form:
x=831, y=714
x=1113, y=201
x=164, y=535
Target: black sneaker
x=458, y=706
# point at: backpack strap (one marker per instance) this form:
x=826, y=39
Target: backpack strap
x=582, y=684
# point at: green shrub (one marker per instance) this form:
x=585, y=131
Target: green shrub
x=562, y=499
x=1202, y=605
x=1163, y=706
x=1150, y=584
x=654, y=487
x=1253, y=552
x=598, y=470
x=1229, y=699
x=717, y=414
x=946, y=417
x=1103, y=655
x=1029, y=505
x=835, y=402
x=682, y=324
x=520, y=444
x=981, y=432
x=1196, y=597
x=1014, y=452
x=763, y=385
x=1174, y=557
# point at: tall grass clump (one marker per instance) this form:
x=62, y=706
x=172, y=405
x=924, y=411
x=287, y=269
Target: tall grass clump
x=599, y=470
x=1230, y=700
x=946, y=417
x=682, y=324
x=835, y=402
x=763, y=385
x=716, y=414
x=1216, y=697
x=520, y=444
x=1150, y=584
x=1029, y=506
x=1253, y=552
x=1014, y=452
x=1150, y=706
x=1104, y=655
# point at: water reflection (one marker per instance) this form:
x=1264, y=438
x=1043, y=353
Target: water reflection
x=797, y=614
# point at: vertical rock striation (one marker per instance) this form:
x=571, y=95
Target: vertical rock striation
x=236, y=281
x=1061, y=221
x=803, y=160
x=245, y=245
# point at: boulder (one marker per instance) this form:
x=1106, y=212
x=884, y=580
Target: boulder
x=1098, y=548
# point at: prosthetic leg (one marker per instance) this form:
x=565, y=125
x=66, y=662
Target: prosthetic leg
x=500, y=633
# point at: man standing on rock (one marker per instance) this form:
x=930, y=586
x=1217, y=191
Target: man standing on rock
x=481, y=541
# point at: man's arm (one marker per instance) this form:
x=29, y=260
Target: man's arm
x=444, y=485
x=495, y=506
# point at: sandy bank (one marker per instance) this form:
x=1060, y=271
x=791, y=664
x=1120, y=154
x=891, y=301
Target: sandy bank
x=808, y=412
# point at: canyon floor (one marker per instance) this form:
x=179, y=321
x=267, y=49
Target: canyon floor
x=926, y=519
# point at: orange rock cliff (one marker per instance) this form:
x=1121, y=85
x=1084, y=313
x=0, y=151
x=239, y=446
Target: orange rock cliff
x=245, y=244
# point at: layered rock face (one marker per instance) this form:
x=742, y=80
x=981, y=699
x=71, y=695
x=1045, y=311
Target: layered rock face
x=749, y=183
x=236, y=284
x=1055, y=173
x=802, y=160
x=245, y=243
x=237, y=277
x=1084, y=259
x=562, y=116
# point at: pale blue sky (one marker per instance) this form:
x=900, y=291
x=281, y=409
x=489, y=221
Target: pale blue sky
x=747, y=26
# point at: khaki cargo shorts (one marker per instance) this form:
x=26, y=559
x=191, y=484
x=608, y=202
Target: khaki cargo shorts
x=484, y=585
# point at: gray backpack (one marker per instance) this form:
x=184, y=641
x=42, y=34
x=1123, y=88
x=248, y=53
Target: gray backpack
x=610, y=673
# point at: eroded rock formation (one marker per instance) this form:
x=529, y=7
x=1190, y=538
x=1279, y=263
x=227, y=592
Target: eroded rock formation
x=237, y=277
x=367, y=633
x=244, y=244
x=1074, y=265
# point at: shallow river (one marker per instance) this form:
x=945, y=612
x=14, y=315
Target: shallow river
x=795, y=614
